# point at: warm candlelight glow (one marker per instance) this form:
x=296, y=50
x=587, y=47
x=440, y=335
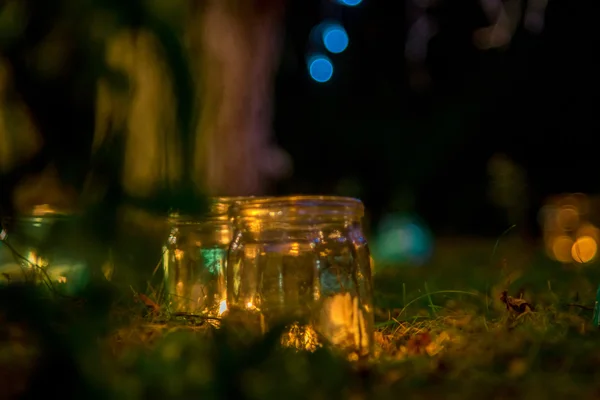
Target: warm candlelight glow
x=222, y=307
x=343, y=322
x=35, y=260
x=295, y=249
x=301, y=337
x=42, y=209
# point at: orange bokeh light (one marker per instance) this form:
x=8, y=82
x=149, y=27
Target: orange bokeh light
x=567, y=218
x=569, y=236
x=577, y=200
x=561, y=249
x=584, y=249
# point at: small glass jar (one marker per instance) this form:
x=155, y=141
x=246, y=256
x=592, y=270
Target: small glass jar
x=194, y=258
x=38, y=247
x=304, y=258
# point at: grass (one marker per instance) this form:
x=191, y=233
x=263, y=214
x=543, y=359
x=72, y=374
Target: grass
x=442, y=332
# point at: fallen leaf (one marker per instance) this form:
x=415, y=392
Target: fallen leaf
x=519, y=306
x=152, y=306
x=437, y=345
x=418, y=344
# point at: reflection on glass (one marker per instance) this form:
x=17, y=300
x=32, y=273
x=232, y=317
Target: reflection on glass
x=194, y=257
x=303, y=259
x=37, y=247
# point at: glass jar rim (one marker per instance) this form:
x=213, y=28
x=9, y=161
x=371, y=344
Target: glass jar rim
x=40, y=213
x=302, y=206
x=218, y=210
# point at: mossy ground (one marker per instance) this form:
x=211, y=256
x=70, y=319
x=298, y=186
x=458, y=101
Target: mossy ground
x=442, y=332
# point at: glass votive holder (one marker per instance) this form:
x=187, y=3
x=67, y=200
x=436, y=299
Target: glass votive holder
x=41, y=247
x=303, y=259
x=194, y=258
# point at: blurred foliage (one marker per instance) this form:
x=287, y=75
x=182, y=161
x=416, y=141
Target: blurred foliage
x=214, y=364
x=449, y=336
x=68, y=40
x=56, y=53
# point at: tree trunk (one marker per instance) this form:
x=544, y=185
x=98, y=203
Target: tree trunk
x=234, y=51
x=237, y=45
x=146, y=115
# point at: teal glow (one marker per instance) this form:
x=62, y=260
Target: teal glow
x=403, y=239
x=213, y=260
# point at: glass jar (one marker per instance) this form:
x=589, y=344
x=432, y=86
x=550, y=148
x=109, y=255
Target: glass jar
x=194, y=258
x=304, y=258
x=41, y=247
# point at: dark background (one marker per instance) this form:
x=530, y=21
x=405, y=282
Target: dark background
x=368, y=132
x=535, y=101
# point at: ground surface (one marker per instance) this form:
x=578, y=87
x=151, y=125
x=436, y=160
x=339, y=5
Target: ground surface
x=444, y=331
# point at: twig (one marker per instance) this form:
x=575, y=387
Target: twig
x=46, y=278
x=202, y=317
x=498, y=242
x=17, y=255
x=580, y=306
